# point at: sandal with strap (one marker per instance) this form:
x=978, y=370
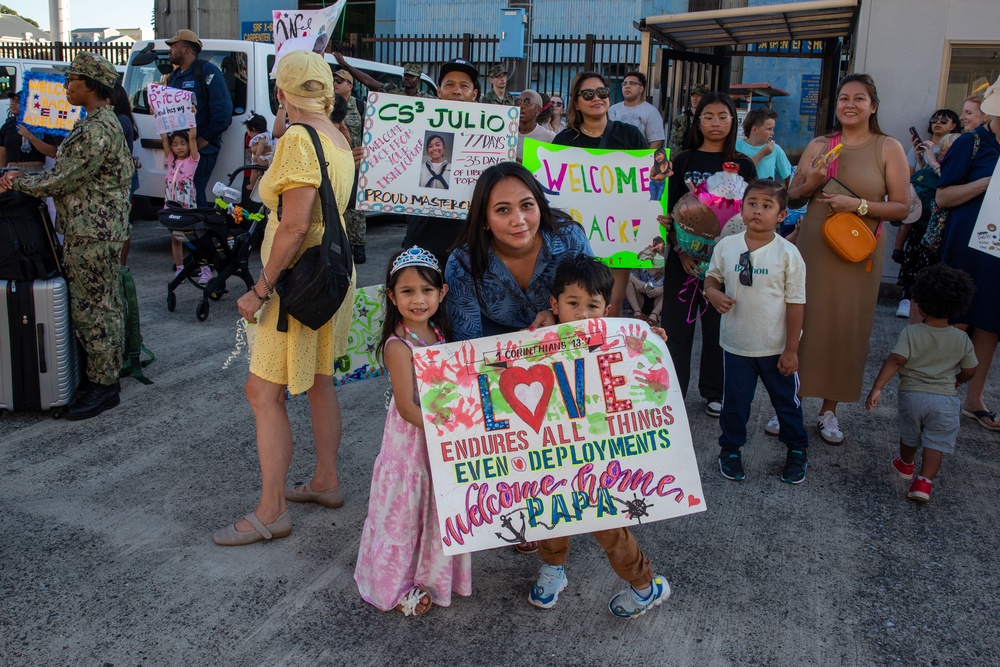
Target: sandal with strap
x=411, y=602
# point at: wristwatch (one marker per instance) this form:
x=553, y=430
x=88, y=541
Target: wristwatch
x=863, y=207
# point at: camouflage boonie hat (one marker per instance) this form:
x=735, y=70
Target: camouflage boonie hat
x=497, y=70
x=93, y=67
x=700, y=89
x=413, y=68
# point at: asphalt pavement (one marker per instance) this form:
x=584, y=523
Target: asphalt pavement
x=106, y=555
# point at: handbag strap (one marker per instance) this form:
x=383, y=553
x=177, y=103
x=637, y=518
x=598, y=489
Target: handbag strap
x=328, y=201
x=606, y=135
x=831, y=170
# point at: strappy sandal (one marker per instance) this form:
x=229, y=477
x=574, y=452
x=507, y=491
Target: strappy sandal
x=411, y=601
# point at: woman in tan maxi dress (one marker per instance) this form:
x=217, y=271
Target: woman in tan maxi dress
x=841, y=296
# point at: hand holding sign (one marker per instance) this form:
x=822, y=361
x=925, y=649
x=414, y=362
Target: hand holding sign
x=44, y=105
x=172, y=108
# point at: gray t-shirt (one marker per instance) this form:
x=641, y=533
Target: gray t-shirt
x=644, y=116
x=932, y=355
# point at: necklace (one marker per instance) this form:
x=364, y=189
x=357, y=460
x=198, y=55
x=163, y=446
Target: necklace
x=437, y=332
x=592, y=134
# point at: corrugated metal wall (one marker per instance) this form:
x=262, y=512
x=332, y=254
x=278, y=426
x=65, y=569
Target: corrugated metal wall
x=563, y=17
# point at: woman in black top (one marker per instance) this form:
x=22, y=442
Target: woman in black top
x=714, y=141
x=588, y=126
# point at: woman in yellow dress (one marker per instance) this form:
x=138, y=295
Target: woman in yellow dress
x=300, y=359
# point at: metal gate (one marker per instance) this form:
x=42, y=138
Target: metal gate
x=680, y=71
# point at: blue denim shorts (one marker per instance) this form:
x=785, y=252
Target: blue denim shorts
x=929, y=420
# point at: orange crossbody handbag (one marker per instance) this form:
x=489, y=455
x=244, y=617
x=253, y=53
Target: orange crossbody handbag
x=845, y=233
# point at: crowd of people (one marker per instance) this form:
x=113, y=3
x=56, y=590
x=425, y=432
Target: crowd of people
x=788, y=311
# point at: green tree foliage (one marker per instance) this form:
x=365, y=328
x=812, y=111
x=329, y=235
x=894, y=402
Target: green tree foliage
x=4, y=9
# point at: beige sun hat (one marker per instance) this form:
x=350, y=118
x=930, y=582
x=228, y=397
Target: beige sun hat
x=991, y=100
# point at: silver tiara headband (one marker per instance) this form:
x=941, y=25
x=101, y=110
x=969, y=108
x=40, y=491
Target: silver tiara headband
x=415, y=256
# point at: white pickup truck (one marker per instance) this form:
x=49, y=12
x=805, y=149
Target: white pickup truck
x=245, y=66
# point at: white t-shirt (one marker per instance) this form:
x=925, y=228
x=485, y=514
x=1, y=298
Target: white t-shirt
x=644, y=116
x=756, y=327
x=540, y=133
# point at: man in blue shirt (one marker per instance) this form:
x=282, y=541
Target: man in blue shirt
x=758, y=145
x=213, y=104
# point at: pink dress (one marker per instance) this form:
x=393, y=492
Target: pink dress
x=401, y=543
x=180, y=181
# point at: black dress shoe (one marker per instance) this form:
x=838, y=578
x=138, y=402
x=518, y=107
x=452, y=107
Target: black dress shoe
x=96, y=399
x=359, y=254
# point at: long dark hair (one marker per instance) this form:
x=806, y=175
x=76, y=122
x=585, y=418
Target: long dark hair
x=123, y=107
x=393, y=319
x=476, y=234
x=573, y=117
x=658, y=167
x=695, y=138
x=869, y=84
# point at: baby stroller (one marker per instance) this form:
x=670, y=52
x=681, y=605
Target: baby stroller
x=220, y=237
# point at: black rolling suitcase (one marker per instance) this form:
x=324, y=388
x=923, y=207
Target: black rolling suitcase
x=39, y=359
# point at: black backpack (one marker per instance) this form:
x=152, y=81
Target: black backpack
x=314, y=288
x=27, y=248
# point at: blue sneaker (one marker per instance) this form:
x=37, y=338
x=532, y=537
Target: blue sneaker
x=628, y=604
x=731, y=464
x=551, y=582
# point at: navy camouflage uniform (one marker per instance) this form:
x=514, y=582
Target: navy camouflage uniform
x=90, y=185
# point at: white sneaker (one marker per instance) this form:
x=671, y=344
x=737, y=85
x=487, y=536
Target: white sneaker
x=904, y=309
x=772, y=427
x=713, y=409
x=829, y=429
x=205, y=275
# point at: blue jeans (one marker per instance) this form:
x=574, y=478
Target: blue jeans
x=740, y=384
x=656, y=190
x=206, y=164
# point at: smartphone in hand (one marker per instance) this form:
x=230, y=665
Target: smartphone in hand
x=914, y=135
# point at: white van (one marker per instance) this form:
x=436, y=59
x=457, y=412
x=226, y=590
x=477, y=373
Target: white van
x=245, y=66
x=11, y=76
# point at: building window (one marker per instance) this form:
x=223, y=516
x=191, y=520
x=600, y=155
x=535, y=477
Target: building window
x=971, y=69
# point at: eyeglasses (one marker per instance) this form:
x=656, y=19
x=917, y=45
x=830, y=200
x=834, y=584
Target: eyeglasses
x=74, y=77
x=525, y=101
x=712, y=120
x=941, y=119
x=557, y=103
x=630, y=83
x=588, y=93
x=746, y=270
x=338, y=80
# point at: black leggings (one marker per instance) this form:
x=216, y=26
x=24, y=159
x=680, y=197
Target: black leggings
x=680, y=332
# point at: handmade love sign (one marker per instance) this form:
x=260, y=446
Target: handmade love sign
x=173, y=108
x=567, y=429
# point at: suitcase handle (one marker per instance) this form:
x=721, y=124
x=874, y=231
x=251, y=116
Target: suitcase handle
x=40, y=338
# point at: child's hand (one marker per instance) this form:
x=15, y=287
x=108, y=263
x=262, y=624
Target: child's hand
x=788, y=362
x=660, y=331
x=872, y=401
x=721, y=301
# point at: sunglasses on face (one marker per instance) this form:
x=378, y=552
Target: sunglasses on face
x=588, y=93
x=746, y=270
x=525, y=102
x=339, y=81
x=711, y=120
x=941, y=120
x=557, y=103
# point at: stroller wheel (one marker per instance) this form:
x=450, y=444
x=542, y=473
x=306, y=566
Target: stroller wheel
x=201, y=312
x=215, y=296
x=171, y=301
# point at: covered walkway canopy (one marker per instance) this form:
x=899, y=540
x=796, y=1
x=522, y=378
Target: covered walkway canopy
x=680, y=51
x=800, y=21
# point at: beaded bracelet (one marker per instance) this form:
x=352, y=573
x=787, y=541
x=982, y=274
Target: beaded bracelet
x=260, y=298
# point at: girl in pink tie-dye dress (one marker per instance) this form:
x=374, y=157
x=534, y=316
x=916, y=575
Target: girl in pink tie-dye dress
x=401, y=562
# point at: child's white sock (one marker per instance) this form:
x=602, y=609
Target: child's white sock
x=644, y=592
